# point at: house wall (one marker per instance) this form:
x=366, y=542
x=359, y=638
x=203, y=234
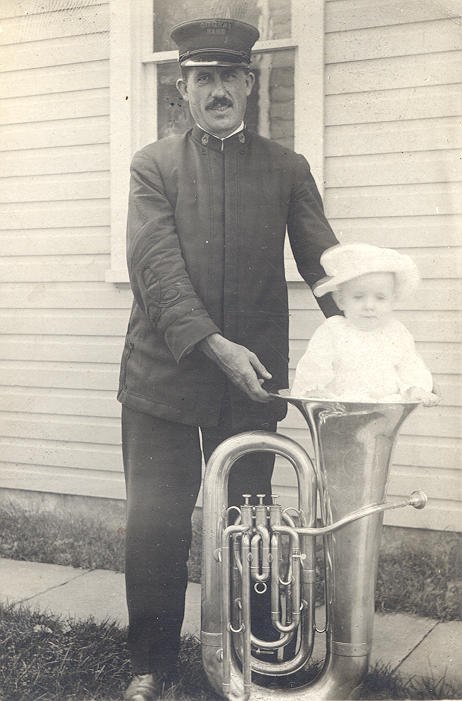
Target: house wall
x=61, y=324
x=391, y=178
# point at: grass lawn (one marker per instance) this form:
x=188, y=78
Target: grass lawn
x=43, y=658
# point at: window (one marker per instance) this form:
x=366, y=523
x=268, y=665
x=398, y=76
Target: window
x=285, y=105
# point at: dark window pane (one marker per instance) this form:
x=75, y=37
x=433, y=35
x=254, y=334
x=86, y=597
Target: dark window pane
x=270, y=108
x=272, y=17
x=173, y=115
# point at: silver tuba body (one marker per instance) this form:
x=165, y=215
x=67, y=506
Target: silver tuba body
x=272, y=550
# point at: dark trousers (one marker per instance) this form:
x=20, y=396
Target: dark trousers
x=162, y=463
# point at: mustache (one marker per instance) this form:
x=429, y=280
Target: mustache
x=219, y=102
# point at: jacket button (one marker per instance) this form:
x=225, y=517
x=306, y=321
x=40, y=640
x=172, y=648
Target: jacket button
x=242, y=137
x=205, y=139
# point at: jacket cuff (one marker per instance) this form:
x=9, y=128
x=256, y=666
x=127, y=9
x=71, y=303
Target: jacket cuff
x=185, y=333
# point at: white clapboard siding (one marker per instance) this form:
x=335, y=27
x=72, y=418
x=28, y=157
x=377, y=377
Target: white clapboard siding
x=38, y=478
x=19, y=8
x=59, y=375
x=393, y=137
x=61, y=349
x=55, y=159
x=449, y=388
x=404, y=168
x=439, y=483
x=397, y=72
x=55, y=80
x=60, y=132
x=43, y=188
x=75, y=268
x=393, y=104
x=392, y=177
x=43, y=242
x=51, y=25
x=47, y=108
x=72, y=402
x=438, y=36
x=63, y=326
x=87, y=322
x=62, y=295
x=59, y=454
x=361, y=14
x=407, y=200
x=101, y=430
x=414, y=232
x=55, y=215
x=54, y=52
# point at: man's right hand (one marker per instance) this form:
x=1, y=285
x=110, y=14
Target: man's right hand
x=239, y=364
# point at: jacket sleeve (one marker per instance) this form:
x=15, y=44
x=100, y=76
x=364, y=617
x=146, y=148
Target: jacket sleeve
x=310, y=233
x=157, y=270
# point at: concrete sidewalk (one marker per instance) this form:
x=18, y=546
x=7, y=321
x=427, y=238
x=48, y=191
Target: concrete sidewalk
x=412, y=646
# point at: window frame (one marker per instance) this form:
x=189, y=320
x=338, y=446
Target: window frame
x=133, y=107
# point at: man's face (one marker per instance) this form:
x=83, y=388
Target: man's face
x=217, y=96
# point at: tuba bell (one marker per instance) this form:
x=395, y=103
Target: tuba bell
x=272, y=550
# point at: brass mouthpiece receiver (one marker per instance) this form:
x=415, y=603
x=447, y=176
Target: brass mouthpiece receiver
x=418, y=499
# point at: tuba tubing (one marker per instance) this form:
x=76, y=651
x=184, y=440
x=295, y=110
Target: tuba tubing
x=353, y=444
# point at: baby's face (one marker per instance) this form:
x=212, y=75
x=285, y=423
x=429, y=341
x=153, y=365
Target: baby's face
x=367, y=301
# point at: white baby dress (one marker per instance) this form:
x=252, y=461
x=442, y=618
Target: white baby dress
x=357, y=365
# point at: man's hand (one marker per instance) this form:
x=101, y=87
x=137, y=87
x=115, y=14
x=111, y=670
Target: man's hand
x=239, y=364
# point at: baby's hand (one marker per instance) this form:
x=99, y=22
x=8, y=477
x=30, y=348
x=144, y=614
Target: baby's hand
x=417, y=394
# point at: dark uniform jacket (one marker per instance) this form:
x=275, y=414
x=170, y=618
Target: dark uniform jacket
x=206, y=227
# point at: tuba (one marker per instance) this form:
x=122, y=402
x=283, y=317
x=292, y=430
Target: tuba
x=272, y=551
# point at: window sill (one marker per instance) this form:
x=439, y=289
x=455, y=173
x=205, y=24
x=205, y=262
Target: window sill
x=117, y=276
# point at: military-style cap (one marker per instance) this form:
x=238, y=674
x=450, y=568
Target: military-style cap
x=214, y=42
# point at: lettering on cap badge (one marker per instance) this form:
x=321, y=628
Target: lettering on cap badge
x=216, y=26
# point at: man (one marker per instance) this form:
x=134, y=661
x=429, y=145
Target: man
x=207, y=218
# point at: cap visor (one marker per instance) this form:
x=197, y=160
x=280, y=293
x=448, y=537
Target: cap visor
x=190, y=62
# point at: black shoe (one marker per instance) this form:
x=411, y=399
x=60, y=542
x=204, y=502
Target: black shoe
x=146, y=687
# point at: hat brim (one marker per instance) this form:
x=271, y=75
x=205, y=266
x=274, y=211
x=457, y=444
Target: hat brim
x=331, y=284
x=405, y=281
x=194, y=63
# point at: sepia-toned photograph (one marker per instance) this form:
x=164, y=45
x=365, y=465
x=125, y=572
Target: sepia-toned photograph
x=230, y=350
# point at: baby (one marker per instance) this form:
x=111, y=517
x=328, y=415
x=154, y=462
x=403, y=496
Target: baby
x=367, y=354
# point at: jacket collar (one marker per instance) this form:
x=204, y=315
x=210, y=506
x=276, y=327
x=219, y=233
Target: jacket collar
x=209, y=141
